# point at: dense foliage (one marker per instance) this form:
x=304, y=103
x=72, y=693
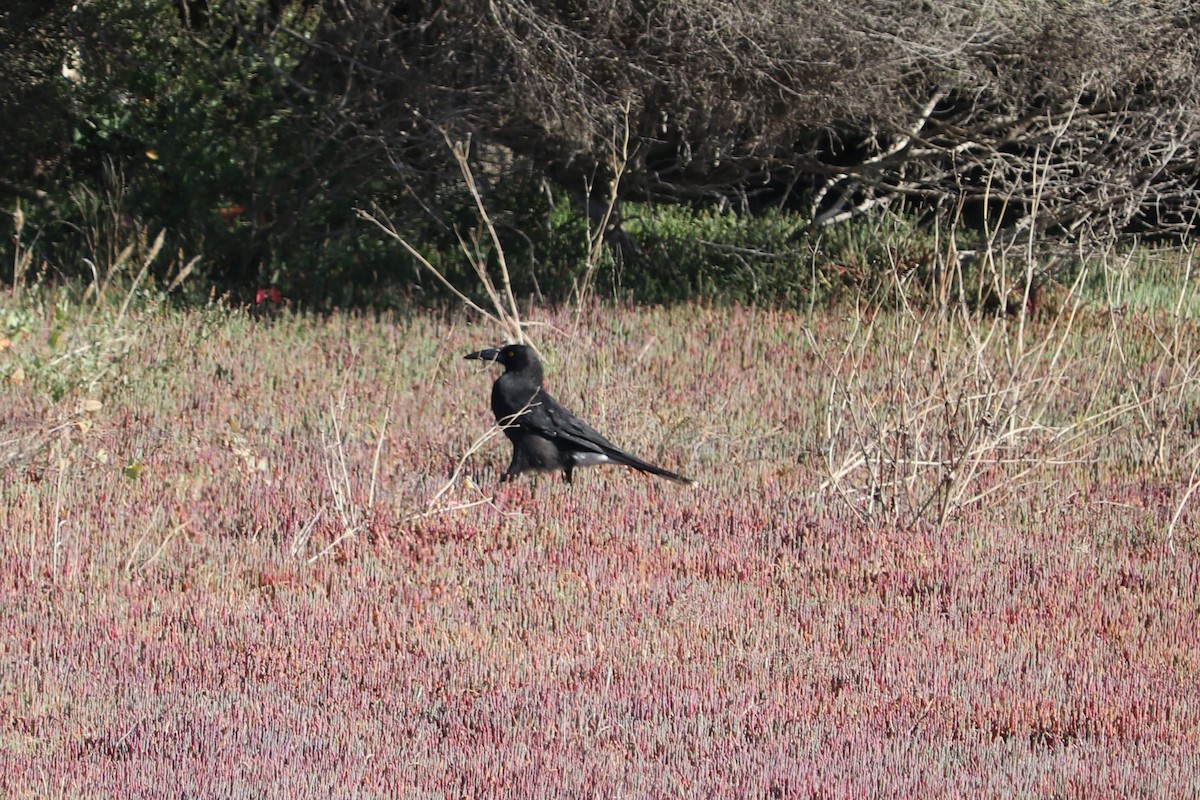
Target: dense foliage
x=252, y=130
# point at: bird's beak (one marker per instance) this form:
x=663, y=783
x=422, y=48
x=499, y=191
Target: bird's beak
x=491, y=354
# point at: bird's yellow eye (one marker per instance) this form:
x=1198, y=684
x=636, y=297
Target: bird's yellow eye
x=508, y=353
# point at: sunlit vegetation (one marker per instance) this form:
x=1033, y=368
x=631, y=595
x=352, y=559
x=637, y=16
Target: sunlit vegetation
x=244, y=555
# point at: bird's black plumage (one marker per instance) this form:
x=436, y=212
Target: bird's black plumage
x=545, y=436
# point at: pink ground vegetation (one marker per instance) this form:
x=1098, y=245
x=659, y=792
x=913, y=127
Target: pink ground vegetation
x=203, y=625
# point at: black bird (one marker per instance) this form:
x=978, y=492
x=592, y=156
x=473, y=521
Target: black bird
x=545, y=436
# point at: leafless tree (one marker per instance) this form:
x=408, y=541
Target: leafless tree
x=1080, y=115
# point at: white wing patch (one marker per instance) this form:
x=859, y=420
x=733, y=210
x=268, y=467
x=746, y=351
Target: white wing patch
x=589, y=459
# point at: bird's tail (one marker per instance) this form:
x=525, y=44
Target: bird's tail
x=621, y=457
x=666, y=473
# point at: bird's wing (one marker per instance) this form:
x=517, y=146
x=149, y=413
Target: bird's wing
x=546, y=417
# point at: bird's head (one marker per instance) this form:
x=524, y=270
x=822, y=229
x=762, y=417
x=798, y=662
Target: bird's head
x=513, y=357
